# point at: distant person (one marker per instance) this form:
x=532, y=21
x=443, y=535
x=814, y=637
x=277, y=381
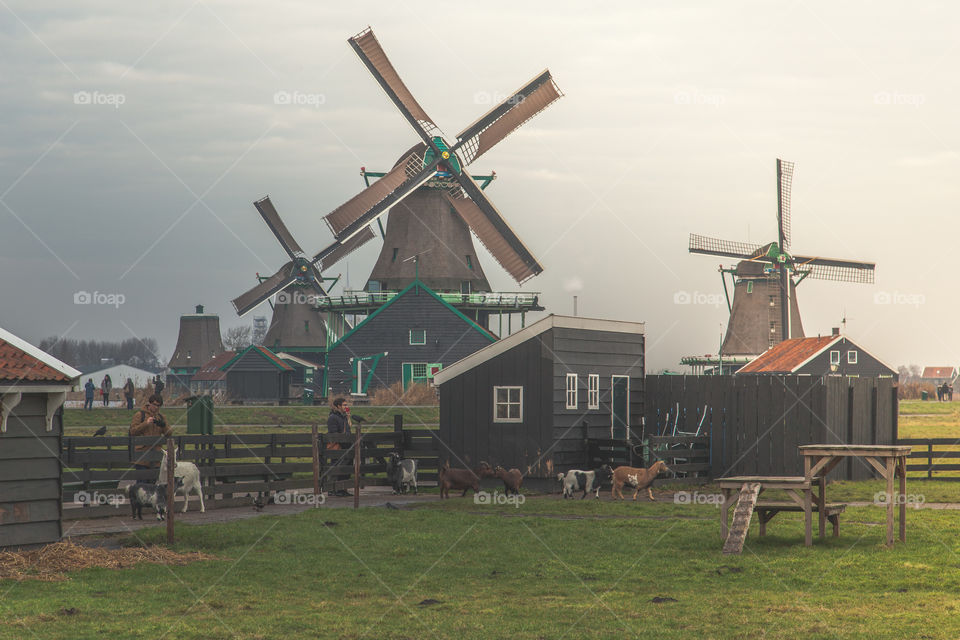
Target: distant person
x=939, y=393
x=950, y=392
x=158, y=385
x=338, y=423
x=105, y=386
x=128, y=390
x=88, y=390
x=148, y=421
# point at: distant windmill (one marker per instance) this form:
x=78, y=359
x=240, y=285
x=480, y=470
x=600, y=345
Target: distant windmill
x=764, y=310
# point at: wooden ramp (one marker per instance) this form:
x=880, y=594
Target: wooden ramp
x=741, y=518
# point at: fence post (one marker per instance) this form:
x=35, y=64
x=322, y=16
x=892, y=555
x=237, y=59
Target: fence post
x=356, y=469
x=171, y=488
x=929, y=461
x=398, y=429
x=316, y=459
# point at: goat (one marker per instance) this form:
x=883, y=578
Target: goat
x=511, y=479
x=577, y=480
x=457, y=479
x=188, y=474
x=639, y=478
x=145, y=494
x=402, y=473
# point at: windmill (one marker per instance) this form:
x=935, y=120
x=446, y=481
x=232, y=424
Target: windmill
x=764, y=309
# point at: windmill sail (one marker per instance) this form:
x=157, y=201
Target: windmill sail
x=247, y=301
x=272, y=218
x=343, y=250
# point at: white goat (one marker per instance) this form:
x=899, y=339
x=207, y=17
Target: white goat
x=189, y=474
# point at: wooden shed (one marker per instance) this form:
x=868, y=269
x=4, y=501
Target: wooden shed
x=257, y=376
x=530, y=399
x=33, y=386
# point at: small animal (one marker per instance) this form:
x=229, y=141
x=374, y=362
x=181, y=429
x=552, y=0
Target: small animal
x=145, y=494
x=102, y=431
x=586, y=481
x=188, y=474
x=639, y=478
x=457, y=479
x=402, y=473
x=512, y=479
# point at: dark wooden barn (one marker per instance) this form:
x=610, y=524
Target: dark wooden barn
x=257, y=376
x=409, y=339
x=33, y=387
x=821, y=356
x=528, y=400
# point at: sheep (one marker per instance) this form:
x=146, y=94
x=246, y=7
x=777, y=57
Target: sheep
x=188, y=474
x=577, y=480
x=512, y=479
x=461, y=478
x=402, y=473
x=639, y=478
x=145, y=494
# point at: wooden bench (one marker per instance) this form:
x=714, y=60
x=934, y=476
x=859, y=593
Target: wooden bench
x=767, y=510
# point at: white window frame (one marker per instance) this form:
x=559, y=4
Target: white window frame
x=571, y=395
x=508, y=403
x=418, y=343
x=835, y=357
x=593, y=391
x=853, y=359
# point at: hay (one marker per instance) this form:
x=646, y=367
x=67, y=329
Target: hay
x=52, y=562
x=394, y=395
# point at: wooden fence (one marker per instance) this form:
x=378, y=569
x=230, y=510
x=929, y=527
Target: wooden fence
x=235, y=468
x=687, y=456
x=931, y=456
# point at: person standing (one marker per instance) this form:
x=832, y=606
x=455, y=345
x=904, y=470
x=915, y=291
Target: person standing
x=105, y=387
x=338, y=423
x=88, y=390
x=148, y=421
x=158, y=385
x=128, y=393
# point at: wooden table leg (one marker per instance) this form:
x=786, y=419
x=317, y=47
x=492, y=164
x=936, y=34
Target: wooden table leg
x=890, y=499
x=725, y=512
x=822, y=505
x=807, y=516
x=902, y=466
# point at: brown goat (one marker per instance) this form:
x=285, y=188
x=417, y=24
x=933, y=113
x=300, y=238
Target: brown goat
x=457, y=479
x=636, y=477
x=511, y=479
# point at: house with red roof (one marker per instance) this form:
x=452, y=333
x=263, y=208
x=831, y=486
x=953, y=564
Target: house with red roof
x=939, y=375
x=821, y=356
x=33, y=386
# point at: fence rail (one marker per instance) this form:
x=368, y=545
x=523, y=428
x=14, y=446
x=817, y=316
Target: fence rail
x=687, y=456
x=926, y=455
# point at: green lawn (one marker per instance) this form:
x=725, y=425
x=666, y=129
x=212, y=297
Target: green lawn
x=365, y=575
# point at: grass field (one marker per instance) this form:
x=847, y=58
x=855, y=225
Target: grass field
x=548, y=569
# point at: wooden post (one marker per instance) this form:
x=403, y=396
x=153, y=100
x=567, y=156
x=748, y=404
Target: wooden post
x=929, y=461
x=356, y=469
x=891, y=496
x=901, y=465
x=400, y=438
x=316, y=459
x=171, y=488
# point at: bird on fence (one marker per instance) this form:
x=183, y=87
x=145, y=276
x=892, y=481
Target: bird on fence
x=101, y=431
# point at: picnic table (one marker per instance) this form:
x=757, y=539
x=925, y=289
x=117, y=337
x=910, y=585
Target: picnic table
x=890, y=461
x=799, y=489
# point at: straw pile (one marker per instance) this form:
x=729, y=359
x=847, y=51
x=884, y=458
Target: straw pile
x=52, y=562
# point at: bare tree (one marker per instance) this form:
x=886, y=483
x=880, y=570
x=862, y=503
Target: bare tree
x=237, y=338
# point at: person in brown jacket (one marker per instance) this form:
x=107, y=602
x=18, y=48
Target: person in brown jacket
x=148, y=421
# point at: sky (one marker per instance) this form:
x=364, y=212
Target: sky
x=135, y=139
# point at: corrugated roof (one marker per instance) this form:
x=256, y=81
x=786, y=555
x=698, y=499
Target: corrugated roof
x=938, y=372
x=210, y=371
x=788, y=355
x=21, y=361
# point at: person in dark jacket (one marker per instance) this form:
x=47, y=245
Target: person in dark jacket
x=89, y=389
x=105, y=386
x=128, y=393
x=338, y=422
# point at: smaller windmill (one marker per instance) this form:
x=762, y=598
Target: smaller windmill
x=764, y=309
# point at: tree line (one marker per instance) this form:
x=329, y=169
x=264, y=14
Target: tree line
x=90, y=354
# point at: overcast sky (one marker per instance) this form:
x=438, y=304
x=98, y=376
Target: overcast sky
x=135, y=138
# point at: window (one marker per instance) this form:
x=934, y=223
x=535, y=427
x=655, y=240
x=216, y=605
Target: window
x=773, y=327
x=851, y=357
x=418, y=336
x=773, y=301
x=593, y=391
x=469, y=263
x=396, y=250
x=571, y=391
x=834, y=357
x=749, y=287
x=419, y=369
x=373, y=286
x=508, y=404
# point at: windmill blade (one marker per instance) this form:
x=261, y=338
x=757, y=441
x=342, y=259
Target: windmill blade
x=244, y=303
x=342, y=250
x=726, y=248
x=371, y=53
x=836, y=270
x=269, y=214
x=784, y=187
x=355, y=213
x=508, y=116
x=492, y=230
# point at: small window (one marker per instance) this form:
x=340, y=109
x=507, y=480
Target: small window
x=749, y=287
x=773, y=301
x=593, y=391
x=469, y=263
x=571, y=391
x=851, y=357
x=508, y=404
x=418, y=336
x=834, y=357
x=419, y=369
x=373, y=286
x=773, y=327
x=396, y=251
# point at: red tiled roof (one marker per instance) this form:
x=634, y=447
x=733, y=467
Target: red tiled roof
x=273, y=357
x=938, y=372
x=210, y=371
x=788, y=355
x=16, y=364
